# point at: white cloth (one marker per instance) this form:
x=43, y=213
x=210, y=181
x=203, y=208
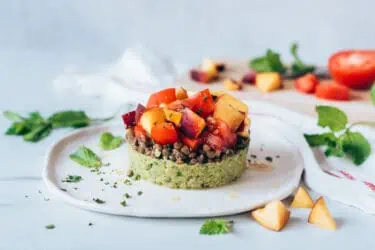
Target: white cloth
x=139, y=72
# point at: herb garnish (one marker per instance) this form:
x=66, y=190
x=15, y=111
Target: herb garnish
x=128, y=196
x=268, y=158
x=91, y=224
x=298, y=67
x=216, y=226
x=86, y=157
x=270, y=62
x=140, y=193
x=340, y=141
x=123, y=203
x=34, y=128
x=109, y=142
x=99, y=201
x=72, y=179
x=50, y=226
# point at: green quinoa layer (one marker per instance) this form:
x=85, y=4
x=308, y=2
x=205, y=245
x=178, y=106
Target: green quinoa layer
x=188, y=176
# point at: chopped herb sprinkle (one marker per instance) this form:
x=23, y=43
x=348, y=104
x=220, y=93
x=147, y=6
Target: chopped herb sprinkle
x=128, y=196
x=72, y=179
x=123, y=203
x=90, y=224
x=253, y=156
x=268, y=158
x=140, y=193
x=63, y=189
x=50, y=226
x=128, y=182
x=98, y=201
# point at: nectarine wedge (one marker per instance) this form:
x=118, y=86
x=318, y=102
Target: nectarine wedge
x=302, y=199
x=273, y=216
x=321, y=216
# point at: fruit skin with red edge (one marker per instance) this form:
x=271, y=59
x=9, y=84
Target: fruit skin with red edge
x=139, y=112
x=201, y=103
x=181, y=93
x=173, y=116
x=191, y=124
x=201, y=76
x=164, y=133
x=140, y=133
x=231, y=84
x=191, y=143
x=152, y=117
x=331, y=90
x=230, y=110
x=353, y=68
x=208, y=66
x=218, y=135
x=249, y=77
x=129, y=119
x=307, y=83
x=165, y=96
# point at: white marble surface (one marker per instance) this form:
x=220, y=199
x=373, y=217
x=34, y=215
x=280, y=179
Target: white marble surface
x=39, y=38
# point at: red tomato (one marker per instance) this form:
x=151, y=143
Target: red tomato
x=139, y=132
x=164, y=133
x=353, y=68
x=215, y=142
x=332, y=91
x=164, y=96
x=191, y=143
x=201, y=103
x=219, y=136
x=306, y=83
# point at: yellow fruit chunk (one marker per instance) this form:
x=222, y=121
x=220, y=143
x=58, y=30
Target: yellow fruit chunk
x=227, y=110
x=181, y=94
x=302, y=199
x=273, y=216
x=173, y=116
x=210, y=68
x=231, y=84
x=152, y=117
x=217, y=93
x=245, y=131
x=321, y=216
x=267, y=82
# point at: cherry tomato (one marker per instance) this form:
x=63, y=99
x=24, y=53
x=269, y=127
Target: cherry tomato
x=165, y=96
x=331, y=90
x=164, y=133
x=353, y=68
x=306, y=83
x=201, y=103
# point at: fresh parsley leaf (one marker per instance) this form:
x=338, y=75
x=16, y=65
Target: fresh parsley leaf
x=373, y=93
x=216, y=226
x=270, y=62
x=109, y=142
x=38, y=132
x=13, y=116
x=72, y=179
x=98, y=201
x=67, y=119
x=316, y=140
x=86, y=157
x=299, y=67
x=331, y=117
x=356, y=146
x=50, y=226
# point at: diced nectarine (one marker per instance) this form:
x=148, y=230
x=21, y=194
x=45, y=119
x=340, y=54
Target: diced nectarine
x=201, y=76
x=302, y=199
x=321, y=216
x=181, y=93
x=151, y=117
x=273, y=216
x=210, y=68
x=244, y=131
x=173, y=116
x=231, y=84
x=192, y=124
x=269, y=81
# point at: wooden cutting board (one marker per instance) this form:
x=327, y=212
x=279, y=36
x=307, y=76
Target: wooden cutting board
x=359, y=108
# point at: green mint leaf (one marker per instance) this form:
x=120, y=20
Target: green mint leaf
x=17, y=128
x=216, y=226
x=315, y=140
x=86, y=157
x=38, y=132
x=98, y=201
x=50, y=226
x=72, y=179
x=331, y=117
x=334, y=151
x=356, y=146
x=65, y=119
x=109, y=142
x=373, y=93
x=35, y=118
x=298, y=67
x=270, y=62
x=13, y=116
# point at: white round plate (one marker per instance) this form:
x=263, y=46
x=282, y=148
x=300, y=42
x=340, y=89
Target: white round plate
x=255, y=188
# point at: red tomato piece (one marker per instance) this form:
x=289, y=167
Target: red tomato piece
x=201, y=103
x=353, y=68
x=226, y=134
x=331, y=90
x=164, y=133
x=191, y=143
x=139, y=132
x=307, y=83
x=164, y=96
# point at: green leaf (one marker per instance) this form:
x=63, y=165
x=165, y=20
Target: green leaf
x=109, y=142
x=98, y=201
x=72, y=179
x=38, y=132
x=315, y=140
x=216, y=226
x=298, y=67
x=86, y=157
x=356, y=146
x=65, y=119
x=50, y=226
x=373, y=93
x=13, y=116
x=331, y=117
x=17, y=128
x=334, y=151
x=270, y=62
x=35, y=118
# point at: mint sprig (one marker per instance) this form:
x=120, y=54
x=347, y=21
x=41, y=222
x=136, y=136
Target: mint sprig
x=86, y=157
x=216, y=226
x=340, y=141
x=109, y=142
